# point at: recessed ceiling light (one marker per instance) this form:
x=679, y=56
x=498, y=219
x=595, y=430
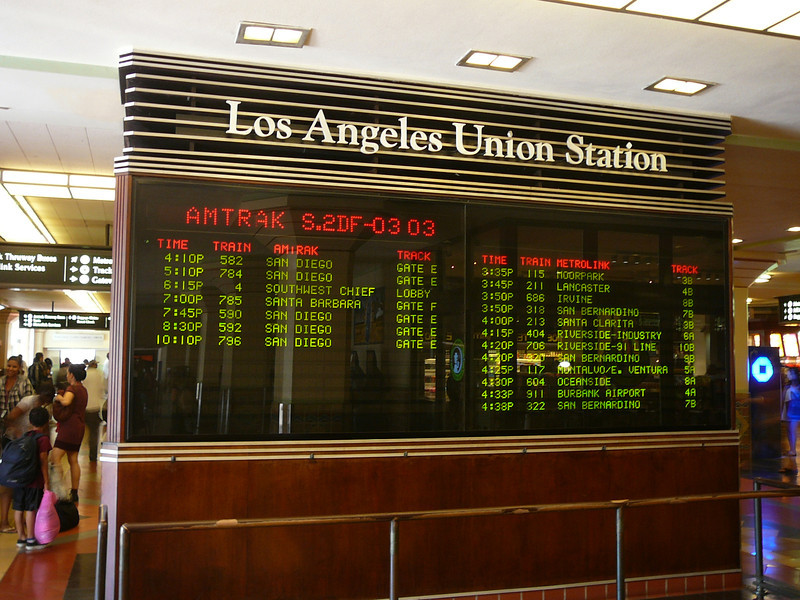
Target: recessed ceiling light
x=790, y=26
x=287, y=36
x=737, y=241
x=42, y=191
x=58, y=185
x=492, y=60
x=16, y=226
x=255, y=33
x=601, y=3
x=680, y=9
x=35, y=177
x=92, y=181
x=684, y=87
x=793, y=229
x=266, y=34
x=752, y=14
x=781, y=17
x=92, y=194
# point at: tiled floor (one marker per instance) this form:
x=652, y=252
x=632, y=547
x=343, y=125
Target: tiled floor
x=65, y=570
x=780, y=531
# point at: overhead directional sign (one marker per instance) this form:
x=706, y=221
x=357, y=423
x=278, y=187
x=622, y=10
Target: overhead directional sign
x=70, y=267
x=54, y=320
x=789, y=309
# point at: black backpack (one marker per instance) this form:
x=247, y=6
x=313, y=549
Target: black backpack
x=19, y=463
x=68, y=516
x=36, y=375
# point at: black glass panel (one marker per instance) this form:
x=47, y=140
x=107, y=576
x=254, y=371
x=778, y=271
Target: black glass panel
x=264, y=313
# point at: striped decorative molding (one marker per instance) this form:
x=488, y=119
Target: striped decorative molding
x=204, y=118
x=415, y=447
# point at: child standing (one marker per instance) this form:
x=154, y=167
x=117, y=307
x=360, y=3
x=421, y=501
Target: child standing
x=28, y=499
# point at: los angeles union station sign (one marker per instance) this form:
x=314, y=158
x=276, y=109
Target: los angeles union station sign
x=467, y=139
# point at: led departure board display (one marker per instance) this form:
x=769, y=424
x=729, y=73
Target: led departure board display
x=261, y=312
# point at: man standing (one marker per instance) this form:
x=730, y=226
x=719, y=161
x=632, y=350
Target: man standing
x=36, y=372
x=94, y=388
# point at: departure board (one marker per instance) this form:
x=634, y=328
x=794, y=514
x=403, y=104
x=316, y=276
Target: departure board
x=265, y=313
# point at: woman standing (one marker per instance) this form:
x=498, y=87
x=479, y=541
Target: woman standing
x=14, y=386
x=69, y=410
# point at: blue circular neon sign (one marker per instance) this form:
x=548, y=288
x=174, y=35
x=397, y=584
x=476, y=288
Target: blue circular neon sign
x=762, y=370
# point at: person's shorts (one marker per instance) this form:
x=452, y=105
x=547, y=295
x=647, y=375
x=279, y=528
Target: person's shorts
x=27, y=498
x=66, y=446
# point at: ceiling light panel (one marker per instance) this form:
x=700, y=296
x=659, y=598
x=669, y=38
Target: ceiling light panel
x=287, y=36
x=58, y=185
x=84, y=299
x=42, y=191
x=752, y=14
x=268, y=34
x=790, y=26
x=256, y=33
x=679, y=9
x=92, y=181
x=683, y=87
x=781, y=17
x=92, y=194
x=34, y=177
x=492, y=60
x=601, y=3
x=15, y=226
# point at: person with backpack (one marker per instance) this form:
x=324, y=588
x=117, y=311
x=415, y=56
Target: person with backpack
x=27, y=499
x=37, y=371
x=17, y=422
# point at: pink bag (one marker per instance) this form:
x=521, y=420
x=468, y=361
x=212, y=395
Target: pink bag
x=47, y=523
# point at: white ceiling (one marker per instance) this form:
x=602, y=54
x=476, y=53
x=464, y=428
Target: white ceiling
x=60, y=103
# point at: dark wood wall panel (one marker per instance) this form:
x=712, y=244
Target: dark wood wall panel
x=437, y=557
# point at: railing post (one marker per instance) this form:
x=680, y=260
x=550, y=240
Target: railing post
x=100, y=565
x=620, y=555
x=393, y=543
x=759, y=542
x=124, y=567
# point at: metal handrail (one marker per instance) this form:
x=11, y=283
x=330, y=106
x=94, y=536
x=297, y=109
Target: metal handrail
x=127, y=529
x=102, y=544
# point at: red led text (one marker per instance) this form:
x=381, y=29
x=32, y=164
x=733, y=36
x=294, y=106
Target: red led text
x=494, y=259
x=236, y=247
x=341, y=223
x=298, y=250
x=171, y=244
x=685, y=269
x=234, y=217
x=587, y=265
x=535, y=261
x=414, y=255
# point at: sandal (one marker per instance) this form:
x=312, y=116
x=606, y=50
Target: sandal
x=9, y=530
